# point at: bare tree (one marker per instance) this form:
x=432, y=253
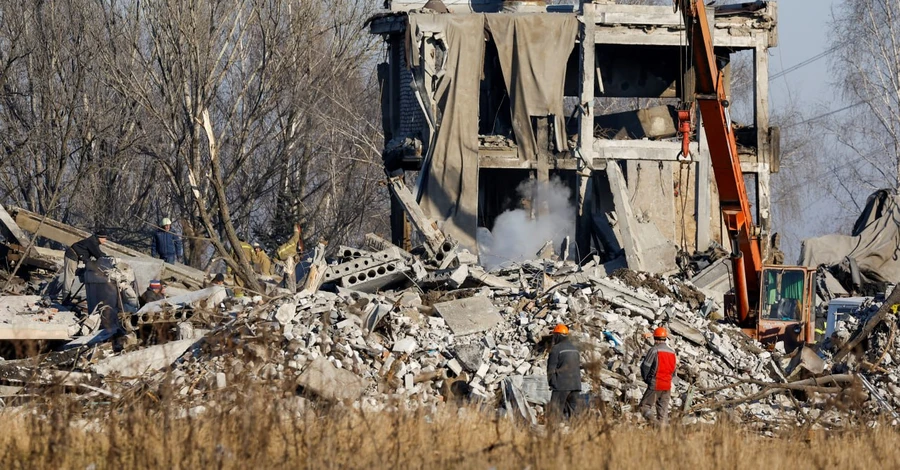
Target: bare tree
x=866, y=39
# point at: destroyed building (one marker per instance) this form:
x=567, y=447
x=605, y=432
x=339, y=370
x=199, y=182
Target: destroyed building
x=388, y=327
x=479, y=96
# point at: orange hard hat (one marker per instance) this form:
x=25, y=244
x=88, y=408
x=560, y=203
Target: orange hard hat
x=561, y=329
x=660, y=333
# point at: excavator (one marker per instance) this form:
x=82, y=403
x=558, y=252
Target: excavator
x=770, y=303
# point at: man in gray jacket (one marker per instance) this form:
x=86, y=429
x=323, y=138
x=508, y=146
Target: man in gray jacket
x=563, y=375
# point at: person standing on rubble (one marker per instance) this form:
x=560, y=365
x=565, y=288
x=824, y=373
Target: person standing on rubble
x=657, y=370
x=260, y=260
x=563, y=375
x=83, y=250
x=165, y=244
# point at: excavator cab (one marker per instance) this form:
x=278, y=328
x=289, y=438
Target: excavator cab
x=786, y=306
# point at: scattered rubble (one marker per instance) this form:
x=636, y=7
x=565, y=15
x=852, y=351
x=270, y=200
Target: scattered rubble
x=379, y=327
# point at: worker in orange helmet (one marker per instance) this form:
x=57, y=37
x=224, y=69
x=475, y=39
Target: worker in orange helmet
x=563, y=375
x=657, y=370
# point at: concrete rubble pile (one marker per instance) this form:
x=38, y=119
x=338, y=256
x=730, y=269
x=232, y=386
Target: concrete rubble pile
x=457, y=335
x=383, y=328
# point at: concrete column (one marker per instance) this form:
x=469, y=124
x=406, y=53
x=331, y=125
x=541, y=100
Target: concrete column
x=586, y=132
x=702, y=187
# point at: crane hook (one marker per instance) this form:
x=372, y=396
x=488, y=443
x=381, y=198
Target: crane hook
x=684, y=128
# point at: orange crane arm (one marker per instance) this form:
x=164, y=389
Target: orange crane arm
x=726, y=162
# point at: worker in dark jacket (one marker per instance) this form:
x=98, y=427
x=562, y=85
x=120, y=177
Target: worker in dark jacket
x=563, y=374
x=83, y=250
x=153, y=293
x=166, y=245
x=657, y=370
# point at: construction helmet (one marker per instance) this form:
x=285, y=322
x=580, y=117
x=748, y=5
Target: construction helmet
x=561, y=329
x=166, y=221
x=660, y=333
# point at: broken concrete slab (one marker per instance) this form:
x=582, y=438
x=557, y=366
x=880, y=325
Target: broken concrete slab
x=68, y=235
x=479, y=275
x=203, y=298
x=14, y=304
x=11, y=230
x=654, y=123
x=535, y=387
x=89, y=340
x=469, y=316
x=805, y=359
x=406, y=345
x=470, y=355
x=286, y=313
x=145, y=270
x=326, y=381
x=458, y=276
x=622, y=296
x=687, y=332
x=137, y=363
x=22, y=318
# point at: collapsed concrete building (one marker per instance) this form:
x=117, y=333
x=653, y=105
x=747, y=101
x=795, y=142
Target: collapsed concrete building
x=479, y=96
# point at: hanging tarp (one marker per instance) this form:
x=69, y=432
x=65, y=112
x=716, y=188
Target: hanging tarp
x=449, y=188
x=874, y=243
x=533, y=50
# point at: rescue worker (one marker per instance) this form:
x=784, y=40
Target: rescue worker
x=83, y=250
x=260, y=260
x=657, y=370
x=288, y=258
x=248, y=252
x=292, y=247
x=166, y=245
x=153, y=293
x=563, y=374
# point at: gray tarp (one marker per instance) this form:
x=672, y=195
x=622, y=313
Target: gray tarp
x=874, y=243
x=533, y=50
x=449, y=192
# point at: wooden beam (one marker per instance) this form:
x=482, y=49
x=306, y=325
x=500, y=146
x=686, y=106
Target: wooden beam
x=68, y=235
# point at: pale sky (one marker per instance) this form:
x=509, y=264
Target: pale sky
x=803, y=32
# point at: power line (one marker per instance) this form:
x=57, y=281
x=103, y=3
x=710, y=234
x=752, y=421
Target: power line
x=806, y=62
x=816, y=118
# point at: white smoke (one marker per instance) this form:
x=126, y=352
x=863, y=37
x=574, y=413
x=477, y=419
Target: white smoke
x=519, y=234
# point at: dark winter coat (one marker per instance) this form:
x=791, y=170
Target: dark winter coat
x=150, y=295
x=167, y=246
x=85, y=250
x=564, y=367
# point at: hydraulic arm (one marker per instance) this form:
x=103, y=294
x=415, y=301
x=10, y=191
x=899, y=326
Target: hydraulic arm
x=726, y=163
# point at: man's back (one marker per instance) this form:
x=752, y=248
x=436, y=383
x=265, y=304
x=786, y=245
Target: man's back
x=659, y=366
x=88, y=248
x=564, y=366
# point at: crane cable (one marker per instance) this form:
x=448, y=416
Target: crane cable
x=685, y=53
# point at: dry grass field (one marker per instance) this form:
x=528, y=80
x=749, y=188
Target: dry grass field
x=264, y=433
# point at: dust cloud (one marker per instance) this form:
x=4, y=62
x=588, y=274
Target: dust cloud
x=519, y=234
